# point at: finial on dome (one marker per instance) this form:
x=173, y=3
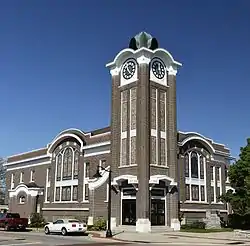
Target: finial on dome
x=143, y=39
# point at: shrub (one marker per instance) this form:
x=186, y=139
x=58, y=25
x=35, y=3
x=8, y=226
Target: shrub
x=237, y=221
x=37, y=220
x=99, y=225
x=195, y=225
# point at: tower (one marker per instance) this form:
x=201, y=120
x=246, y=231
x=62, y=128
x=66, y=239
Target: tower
x=143, y=127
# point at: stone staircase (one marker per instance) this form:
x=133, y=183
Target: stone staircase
x=130, y=228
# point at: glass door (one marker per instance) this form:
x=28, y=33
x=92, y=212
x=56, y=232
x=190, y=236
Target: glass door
x=157, y=212
x=129, y=212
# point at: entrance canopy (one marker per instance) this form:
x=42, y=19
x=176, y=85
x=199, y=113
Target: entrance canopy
x=154, y=179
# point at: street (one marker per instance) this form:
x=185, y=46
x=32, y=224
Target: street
x=40, y=239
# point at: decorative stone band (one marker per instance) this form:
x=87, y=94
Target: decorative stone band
x=32, y=191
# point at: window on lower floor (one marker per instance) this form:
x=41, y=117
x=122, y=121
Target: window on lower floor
x=212, y=193
x=75, y=193
x=195, y=192
x=202, y=193
x=218, y=194
x=48, y=194
x=187, y=192
x=66, y=193
x=22, y=199
x=57, y=198
x=86, y=195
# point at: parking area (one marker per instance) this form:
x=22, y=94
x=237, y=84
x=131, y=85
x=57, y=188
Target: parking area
x=39, y=238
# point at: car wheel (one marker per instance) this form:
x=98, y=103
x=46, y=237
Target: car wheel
x=64, y=231
x=46, y=230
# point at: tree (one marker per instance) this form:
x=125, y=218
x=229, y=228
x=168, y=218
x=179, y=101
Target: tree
x=2, y=180
x=239, y=176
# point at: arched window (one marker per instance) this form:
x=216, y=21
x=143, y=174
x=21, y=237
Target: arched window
x=186, y=165
x=67, y=164
x=59, y=167
x=76, y=163
x=194, y=165
x=195, y=168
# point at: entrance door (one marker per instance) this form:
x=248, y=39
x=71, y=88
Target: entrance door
x=129, y=212
x=157, y=212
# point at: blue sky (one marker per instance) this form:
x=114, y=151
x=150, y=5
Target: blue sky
x=53, y=55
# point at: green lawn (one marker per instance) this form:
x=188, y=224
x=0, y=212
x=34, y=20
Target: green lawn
x=205, y=230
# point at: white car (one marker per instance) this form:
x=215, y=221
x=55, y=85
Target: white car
x=65, y=226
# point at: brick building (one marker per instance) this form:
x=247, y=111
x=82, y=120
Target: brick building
x=157, y=170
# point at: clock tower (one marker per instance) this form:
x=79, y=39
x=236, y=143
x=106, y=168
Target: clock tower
x=144, y=134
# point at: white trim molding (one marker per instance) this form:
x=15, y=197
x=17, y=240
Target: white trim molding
x=144, y=52
x=28, y=191
x=60, y=138
x=26, y=160
x=65, y=209
x=29, y=165
x=202, y=136
x=95, y=183
x=209, y=145
x=155, y=179
x=132, y=179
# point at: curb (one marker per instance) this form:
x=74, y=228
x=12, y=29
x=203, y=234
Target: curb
x=99, y=236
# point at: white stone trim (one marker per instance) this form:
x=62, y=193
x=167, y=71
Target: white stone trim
x=155, y=179
x=28, y=191
x=97, y=153
x=114, y=71
x=132, y=179
x=199, y=210
x=197, y=138
x=28, y=166
x=65, y=209
x=26, y=160
x=125, y=53
x=60, y=138
x=95, y=183
x=202, y=136
x=90, y=146
x=143, y=60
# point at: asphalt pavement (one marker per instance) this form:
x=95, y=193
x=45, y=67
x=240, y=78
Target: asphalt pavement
x=40, y=239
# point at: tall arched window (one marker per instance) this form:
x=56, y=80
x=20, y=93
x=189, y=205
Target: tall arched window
x=76, y=162
x=194, y=165
x=195, y=173
x=186, y=165
x=59, y=167
x=67, y=163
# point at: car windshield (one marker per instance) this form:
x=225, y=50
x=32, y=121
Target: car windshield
x=13, y=215
x=74, y=221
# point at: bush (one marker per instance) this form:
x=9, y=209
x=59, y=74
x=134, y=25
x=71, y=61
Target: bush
x=237, y=221
x=99, y=225
x=195, y=225
x=37, y=220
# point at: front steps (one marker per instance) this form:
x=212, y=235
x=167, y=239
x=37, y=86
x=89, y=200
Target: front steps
x=130, y=228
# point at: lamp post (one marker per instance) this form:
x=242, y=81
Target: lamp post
x=98, y=175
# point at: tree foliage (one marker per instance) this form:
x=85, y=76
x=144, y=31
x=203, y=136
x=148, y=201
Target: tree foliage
x=2, y=180
x=239, y=176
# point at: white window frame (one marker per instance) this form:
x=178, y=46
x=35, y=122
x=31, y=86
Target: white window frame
x=21, y=201
x=197, y=181
x=32, y=172
x=85, y=181
x=21, y=177
x=12, y=182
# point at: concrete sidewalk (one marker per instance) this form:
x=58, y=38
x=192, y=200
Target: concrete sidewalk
x=176, y=237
